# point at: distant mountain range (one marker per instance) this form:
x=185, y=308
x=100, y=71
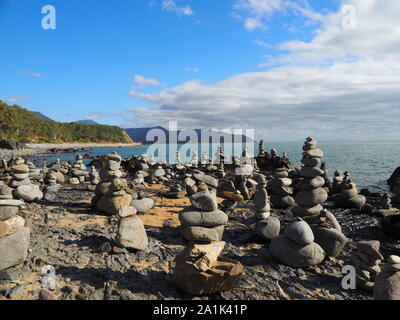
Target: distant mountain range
x=87, y=122
x=202, y=136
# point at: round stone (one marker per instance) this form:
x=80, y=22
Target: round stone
x=310, y=184
x=310, y=173
x=268, y=228
x=300, y=232
x=313, y=153
x=132, y=234
x=143, y=205
x=306, y=211
x=204, y=200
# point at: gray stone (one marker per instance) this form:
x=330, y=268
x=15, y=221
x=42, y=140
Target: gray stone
x=143, y=205
x=311, y=162
x=14, y=248
x=356, y=202
x=204, y=200
x=311, y=173
x=7, y=212
x=208, y=180
x=300, y=232
x=294, y=254
x=29, y=192
x=281, y=182
x=282, y=202
x=261, y=201
x=387, y=286
x=190, y=216
x=302, y=211
x=132, y=234
x=331, y=240
x=310, y=184
x=311, y=197
x=268, y=228
x=203, y=234
x=313, y=153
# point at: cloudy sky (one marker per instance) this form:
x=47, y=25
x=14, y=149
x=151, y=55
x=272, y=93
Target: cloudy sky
x=287, y=68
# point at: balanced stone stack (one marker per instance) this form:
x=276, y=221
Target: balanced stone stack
x=296, y=247
x=387, y=282
x=94, y=179
x=52, y=187
x=111, y=192
x=203, y=221
x=79, y=169
x=14, y=236
x=327, y=232
x=366, y=261
x=311, y=195
x=350, y=197
x=282, y=191
x=266, y=226
x=131, y=232
x=200, y=269
x=25, y=190
x=34, y=173
x=337, y=183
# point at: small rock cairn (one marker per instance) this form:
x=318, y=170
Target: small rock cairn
x=199, y=268
x=282, y=191
x=311, y=196
x=350, y=198
x=296, y=247
x=25, y=189
x=387, y=282
x=94, y=179
x=79, y=170
x=366, y=260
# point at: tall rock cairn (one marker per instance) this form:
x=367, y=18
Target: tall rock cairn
x=111, y=192
x=199, y=268
x=25, y=189
x=94, y=179
x=311, y=196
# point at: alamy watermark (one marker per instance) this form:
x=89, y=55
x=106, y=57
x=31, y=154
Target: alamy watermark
x=349, y=278
x=49, y=20
x=349, y=20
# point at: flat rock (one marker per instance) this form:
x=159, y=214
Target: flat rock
x=203, y=234
x=192, y=217
x=311, y=197
x=302, y=211
x=356, y=202
x=311, y=173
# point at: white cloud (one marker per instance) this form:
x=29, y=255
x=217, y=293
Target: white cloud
x=31, y=74
x=257, y=12
x=192, y=69
x=342, y=84
x=17, y=99
x=171, y=6
x=142, y=82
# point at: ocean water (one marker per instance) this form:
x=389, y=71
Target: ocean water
x=370, y=164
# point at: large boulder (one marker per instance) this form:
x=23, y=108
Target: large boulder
x=294, y=254
x=14, y=248
x=132, y=234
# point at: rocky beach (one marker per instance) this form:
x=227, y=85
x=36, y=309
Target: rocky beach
x=139, y=229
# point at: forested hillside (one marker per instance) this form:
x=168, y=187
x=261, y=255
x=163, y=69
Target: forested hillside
x=20, y=124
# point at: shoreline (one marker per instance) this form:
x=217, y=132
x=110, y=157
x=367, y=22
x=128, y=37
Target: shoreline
x=33, y=149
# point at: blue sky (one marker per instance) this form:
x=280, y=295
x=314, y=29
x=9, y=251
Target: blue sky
x=87, y=67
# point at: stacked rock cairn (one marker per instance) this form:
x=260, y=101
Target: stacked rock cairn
x=79, y=172
x=110, y=193
x=131, y=232
x=200, y=269
x=25, y=189
x=337, y=182
x=296, y=247
x=52, y=187
x=311, y=194
x=366, y=260
x=281, y=197
x=14, y=235
x=387, y=282
x=266, y=226
x=327, y=232
x=94, y=179
x=350, y=198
